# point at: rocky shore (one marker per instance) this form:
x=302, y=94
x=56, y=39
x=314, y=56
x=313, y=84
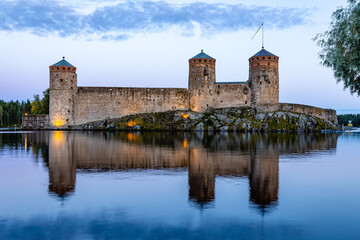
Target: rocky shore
x=229, y=119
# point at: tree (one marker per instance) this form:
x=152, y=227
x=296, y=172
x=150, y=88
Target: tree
x=41, y=106
x=341, y=46
x=36, y=105
x=45, y=101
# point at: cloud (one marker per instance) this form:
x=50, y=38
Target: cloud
x=119, y=21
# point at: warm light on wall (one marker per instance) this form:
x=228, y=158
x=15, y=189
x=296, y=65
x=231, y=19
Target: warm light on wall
x=131, y=123
x=58, y=122
x=184, y=115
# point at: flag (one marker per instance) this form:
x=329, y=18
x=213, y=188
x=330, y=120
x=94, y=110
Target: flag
x=258, y=30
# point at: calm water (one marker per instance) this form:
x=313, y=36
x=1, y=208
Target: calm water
x=94, y=185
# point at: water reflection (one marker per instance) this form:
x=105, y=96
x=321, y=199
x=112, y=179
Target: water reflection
x=204, y=156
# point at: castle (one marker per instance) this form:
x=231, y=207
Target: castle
x=73, y=105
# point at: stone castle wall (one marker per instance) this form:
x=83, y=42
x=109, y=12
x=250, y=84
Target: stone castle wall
x=35, y=121
x=231, y=95
x=324, y=114
x=98, y=103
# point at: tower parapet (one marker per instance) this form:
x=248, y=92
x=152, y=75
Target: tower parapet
x=201, y=81
x=264, y=78
x=63, y=87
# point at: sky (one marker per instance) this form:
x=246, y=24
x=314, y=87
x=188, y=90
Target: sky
x=121, y=43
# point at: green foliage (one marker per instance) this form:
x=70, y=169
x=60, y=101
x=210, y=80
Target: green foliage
x=12, y=112
x=341, y=46
x=41, y=106
x=345, y=118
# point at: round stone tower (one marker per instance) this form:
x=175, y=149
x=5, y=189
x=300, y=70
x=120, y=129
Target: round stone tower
x=201, y=81
x=264, y=78
x=63, y=87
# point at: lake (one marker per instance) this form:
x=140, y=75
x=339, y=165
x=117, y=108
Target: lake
x=174, y=185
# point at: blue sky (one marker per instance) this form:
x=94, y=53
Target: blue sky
x=147, y=44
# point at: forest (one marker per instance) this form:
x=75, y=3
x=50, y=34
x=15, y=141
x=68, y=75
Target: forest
x=345, y=118
x=11, y=112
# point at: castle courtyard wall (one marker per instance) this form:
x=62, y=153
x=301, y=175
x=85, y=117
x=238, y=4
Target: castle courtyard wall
x=227, y=95
x=98, y=103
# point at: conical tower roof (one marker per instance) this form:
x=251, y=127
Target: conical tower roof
x=62, y=63
x=202, y=55
x=263, y=52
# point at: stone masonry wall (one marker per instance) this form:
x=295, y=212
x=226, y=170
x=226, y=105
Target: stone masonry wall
x=264, y=80
x=35, y=121
x=324, y=114
x=231, y=95
x=98, y=103
x=201, y=83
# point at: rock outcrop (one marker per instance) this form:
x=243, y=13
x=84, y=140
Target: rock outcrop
x=229, y=119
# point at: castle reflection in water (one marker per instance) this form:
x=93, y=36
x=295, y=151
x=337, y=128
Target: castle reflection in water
x=254, y=156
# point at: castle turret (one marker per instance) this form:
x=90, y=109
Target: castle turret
x=63, y=86
x=264, y=78
x=201, y=81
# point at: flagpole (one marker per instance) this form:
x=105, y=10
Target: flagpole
x=262, y=35
x=261, y=26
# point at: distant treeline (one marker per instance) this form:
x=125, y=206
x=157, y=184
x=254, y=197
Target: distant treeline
x=11, y=112
x=345, y=118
